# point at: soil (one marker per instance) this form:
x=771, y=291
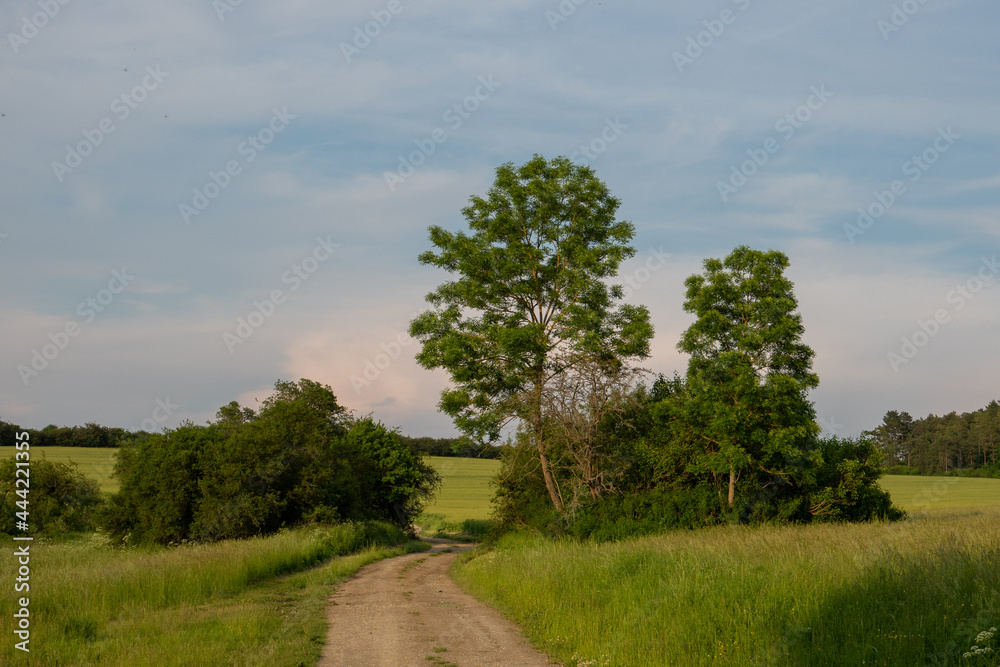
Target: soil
x=406, y=611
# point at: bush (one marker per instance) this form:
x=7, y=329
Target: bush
x=645, y=513
x=390, y=482
x=299, y=460
x=159, y=486
x=521, y=499
x=60, y=500
x=844, y=484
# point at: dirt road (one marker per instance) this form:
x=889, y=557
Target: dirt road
x=406, y=611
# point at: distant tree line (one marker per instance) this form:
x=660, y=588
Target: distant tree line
x=89, y=435
x=451, y=447
x=967, y=443
x=95, y=435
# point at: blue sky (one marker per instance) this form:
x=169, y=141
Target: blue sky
x=188, y=164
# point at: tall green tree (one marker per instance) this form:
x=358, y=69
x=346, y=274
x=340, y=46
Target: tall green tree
x=986, y=432
x=531, y=281
x=893, y=437
x=749, y=371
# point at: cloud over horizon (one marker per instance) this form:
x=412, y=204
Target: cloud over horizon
x=282, y=126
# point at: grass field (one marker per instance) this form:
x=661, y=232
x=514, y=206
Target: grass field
x=911, y=593
x=915, y=493
x=244, y=602
x=95, y=462
x=464, y=495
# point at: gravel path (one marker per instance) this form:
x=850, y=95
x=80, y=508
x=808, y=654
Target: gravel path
x=406, y=611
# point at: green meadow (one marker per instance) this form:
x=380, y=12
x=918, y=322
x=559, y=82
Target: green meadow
x=260, y=601
x=915, y=493
x=95, y=462
x=913, y=592
x=462, y=504
x=907, y=593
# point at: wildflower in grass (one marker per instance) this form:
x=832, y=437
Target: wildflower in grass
x=981, y=652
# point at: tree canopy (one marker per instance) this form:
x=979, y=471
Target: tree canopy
x=749, y=371
x=531, y=280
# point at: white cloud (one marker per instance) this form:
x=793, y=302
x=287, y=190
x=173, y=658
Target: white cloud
x=323, y=176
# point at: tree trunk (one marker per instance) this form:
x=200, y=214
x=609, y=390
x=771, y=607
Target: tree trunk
x=732, y=485
x=543, y=457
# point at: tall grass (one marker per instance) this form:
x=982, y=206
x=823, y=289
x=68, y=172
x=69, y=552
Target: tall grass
x=92, y=604
x=910, y=593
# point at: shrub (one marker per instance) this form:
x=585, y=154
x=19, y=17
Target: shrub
x=159, y=485
x=648, y=512
x=521, y=498
x=844, y=485
x=61, y=499
x=390, y=482
x=299, y=460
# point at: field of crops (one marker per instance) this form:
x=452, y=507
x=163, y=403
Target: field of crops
x=95, y=462
x=465, y=493
x=915, y=493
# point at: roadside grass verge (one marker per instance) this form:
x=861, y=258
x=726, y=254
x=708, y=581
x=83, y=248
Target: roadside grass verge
x=243, y=602
x=907, y=593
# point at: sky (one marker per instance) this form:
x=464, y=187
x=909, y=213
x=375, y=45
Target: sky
x=200, y=198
